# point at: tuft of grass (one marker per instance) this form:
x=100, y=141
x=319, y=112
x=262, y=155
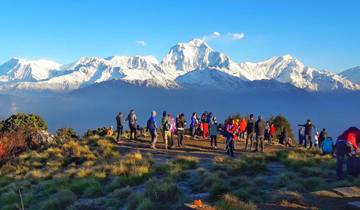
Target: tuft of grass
x=61, y=200
x=231, y=202
x=186, y=162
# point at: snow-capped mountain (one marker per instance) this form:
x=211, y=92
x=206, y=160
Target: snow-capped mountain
x=189, y=64
x=26, y=70
x=352, y=74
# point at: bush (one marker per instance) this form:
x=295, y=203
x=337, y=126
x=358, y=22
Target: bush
x=60, y=200
x=231, y=202
x=280, y=123
x=66, y=134
x=28, y=123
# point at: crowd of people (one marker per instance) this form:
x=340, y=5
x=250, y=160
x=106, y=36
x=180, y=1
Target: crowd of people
x=253, y=131
x=205, y=126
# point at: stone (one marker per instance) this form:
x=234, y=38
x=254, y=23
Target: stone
x=349, y=192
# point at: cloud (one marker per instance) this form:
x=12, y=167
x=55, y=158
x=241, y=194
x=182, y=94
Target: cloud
x=141, y=43
x=237, y=36
x=216, y=34
x=224, y=37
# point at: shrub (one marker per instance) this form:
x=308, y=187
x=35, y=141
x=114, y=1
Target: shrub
x=186, y=162
x=28, y=123
x=163, y=193
x=280, y=123
x=66, y=134
x=231, y=202
x=218, y=190
x=60, y=200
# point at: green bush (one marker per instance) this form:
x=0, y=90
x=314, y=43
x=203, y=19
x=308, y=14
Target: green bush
x=60, y=200
x=28, y=123
x=280, y=123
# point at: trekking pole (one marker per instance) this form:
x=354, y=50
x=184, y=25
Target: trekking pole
x=21, y=200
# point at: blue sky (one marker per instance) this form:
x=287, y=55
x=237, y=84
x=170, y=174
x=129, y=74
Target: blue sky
x=322, y=34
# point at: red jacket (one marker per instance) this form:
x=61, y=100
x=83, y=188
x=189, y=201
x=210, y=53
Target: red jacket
x=272, y=130
x=351, y=135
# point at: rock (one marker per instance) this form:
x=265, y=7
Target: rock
x=355, y=205
x=42, y=138
x=188, y=206
x=349, y=192
x=326, y=193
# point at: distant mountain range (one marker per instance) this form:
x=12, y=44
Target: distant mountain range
x=191, y=64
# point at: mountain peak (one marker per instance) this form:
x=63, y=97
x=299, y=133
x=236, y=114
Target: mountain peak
x=197, y=42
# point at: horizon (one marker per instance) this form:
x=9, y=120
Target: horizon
x=326, y=34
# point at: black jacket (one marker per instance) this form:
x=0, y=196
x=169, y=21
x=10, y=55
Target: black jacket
x=119, y=121
x=250, y=126
x=308, y=128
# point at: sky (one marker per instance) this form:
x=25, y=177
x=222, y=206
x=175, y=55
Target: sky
x=321, y=34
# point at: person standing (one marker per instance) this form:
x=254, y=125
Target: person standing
x=172, y=130
x=152, y=126
x=308, y=132
x=132, y=119
x=230, y=129
x=205, y=125
x=267, y=131
x=272, y=132
x=119, y=126
x=283, y=137
x=250, y=130
x=316, y=139
x=260, y=132
x=180, y=126
x=166, y=126
x=213, y=130
x=301, y=136
x=193, y=124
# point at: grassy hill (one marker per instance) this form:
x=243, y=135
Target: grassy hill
x=96, y=173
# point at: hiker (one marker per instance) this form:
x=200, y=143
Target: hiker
x=242, y=127
x=250, y=129
x=204, y=125
x=180, y=126
x=260, y=132
x=316, y=138
x=165, y=125
x=322, y=136
x=230, y=130
x=267, y=131
x=213, y=130
x=283, y=137
x=152, y=126
x=301, y=136
x=193, y=124
x=308, y=131
x=346, y=145
x=131, y=118
x=119, y=126
x=272, y=132
x=172, y=130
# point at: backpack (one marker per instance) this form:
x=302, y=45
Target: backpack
x=167, y=125
x=150, y=124
x=327, y=146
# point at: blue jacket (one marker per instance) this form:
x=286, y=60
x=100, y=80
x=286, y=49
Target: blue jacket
x=153, y=119
x=193, y=121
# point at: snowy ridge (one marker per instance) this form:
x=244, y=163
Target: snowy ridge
x=193, y=63
x=352, y=74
